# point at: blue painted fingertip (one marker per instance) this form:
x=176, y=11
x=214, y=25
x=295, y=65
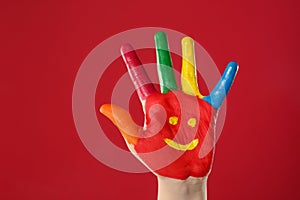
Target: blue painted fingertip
x=218, y=94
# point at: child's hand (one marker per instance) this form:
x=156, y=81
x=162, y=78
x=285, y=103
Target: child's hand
x=176, y=122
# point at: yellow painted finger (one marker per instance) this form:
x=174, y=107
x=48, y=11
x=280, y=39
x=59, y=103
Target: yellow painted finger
x=188, y=72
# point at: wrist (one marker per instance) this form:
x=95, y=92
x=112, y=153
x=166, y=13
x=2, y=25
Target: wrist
x=174, y=189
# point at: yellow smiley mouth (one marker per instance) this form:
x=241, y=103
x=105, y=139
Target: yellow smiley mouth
x=182, y=147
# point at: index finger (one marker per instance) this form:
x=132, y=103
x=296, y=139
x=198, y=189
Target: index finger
x=137, y=73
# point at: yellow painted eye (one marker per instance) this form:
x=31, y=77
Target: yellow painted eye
x=192, y=122
x=173, y=120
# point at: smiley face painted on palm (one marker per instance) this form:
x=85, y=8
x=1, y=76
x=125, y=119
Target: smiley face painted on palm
x=187, y=121
x=177, y=122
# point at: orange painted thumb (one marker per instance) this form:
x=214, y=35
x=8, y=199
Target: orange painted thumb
x=123, y=121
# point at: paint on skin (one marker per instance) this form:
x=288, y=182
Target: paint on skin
x=171, y=136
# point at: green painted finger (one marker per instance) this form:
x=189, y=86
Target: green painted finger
x=164, y=63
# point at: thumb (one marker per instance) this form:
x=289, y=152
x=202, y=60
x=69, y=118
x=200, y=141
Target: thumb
x=123, y=121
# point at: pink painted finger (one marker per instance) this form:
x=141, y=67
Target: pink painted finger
x=137, y=73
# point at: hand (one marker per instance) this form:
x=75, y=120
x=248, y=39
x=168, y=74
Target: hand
x=176, y=122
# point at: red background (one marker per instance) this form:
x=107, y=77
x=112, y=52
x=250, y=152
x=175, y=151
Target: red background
x=43, y=44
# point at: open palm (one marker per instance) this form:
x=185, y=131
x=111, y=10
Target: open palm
x=176, y=122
